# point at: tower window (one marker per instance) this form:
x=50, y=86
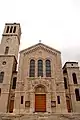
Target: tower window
x=40, y=68
x=21, y=99
x=11, y=29
x=7, y=29
x=14, y=83
x=77, y=93
x=32, y=68
x=6, y=50
x=65, y=83
x=48, y=68
x=58, y=99
x=14, y=29
x=1, y=77
x=74, y=78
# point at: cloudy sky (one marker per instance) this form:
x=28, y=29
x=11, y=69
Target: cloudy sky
x=55, y=22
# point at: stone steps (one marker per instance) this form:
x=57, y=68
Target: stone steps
x=40, y=116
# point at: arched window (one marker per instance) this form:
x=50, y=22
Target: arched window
x=32, y=68
x=14, y=83
x=11, y=29
x=74, y=78
x=14, y=29
x=40, y=68
x=65, y=83
x=48, y=68
x=77, y=92
x=6, y=50
x=7, y=29
x=1, y=77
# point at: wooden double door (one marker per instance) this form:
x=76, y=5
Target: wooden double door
x=40, y=102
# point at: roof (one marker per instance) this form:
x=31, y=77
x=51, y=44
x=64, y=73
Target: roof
x=70, y=63
x=40, y=44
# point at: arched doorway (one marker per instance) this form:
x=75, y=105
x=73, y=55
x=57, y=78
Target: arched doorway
x=40, y=99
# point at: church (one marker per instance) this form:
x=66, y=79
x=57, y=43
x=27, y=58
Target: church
x=40, y=85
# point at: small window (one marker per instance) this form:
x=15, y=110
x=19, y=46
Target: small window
x=21, y=99
x=6, y=50
x=65, y=83
x=14, y=29
x=14, y=66
x=11, y=29
x=1, y=77
x=58, y=99
x=0, y=91
x=77, y=93
x=71, y=64
x=14, y=83
x=74, y=78
x=7, y=29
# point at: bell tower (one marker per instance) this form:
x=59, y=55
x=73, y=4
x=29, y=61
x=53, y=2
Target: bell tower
x=9, y=49
x=10, y=39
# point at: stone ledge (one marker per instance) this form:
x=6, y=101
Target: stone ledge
x=40, y=116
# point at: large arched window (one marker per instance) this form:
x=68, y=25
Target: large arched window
x=77, y=93
x=32, y=68
x=1, y=77
x=65, y=83
x=40, y=68
x=48, y=68
x=74, y=78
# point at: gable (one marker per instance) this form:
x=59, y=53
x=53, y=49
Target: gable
x=40, y=46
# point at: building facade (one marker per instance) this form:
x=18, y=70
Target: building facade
x=40, y=84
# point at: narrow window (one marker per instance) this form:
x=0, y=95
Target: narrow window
x=14, y=66
x=14, y=29
x=7, y=29
x=11, y=29
x=32, y=68
x=65, y=83
x=21, y=99
x=14, y=83
x=40, y=68
x=77, y=93
x=48, y=68
x=1, y=77
x=74, y=78
x=6, y=50
x=58, y=99
x=0, y=91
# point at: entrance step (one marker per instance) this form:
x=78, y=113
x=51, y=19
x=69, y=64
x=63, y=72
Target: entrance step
x=42, y=116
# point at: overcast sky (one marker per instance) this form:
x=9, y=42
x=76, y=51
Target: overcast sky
x=55, y=22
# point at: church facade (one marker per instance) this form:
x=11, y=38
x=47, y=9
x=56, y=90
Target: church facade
x=40, y=84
